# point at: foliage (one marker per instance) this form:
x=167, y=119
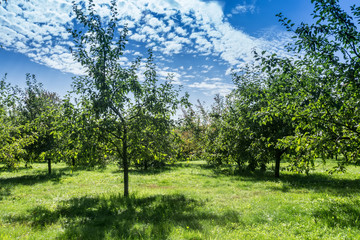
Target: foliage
x=151, y=132
x=39, y=109
x=13, y=141
x=216, y=151
x=242, y=134
x=191, y=130
x=304, y=107
x=80, y=139
x=129, y=113
x=324, y=83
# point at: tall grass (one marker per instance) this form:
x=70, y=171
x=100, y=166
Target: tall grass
x=185, y=201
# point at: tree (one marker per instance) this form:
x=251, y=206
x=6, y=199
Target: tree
x=264, y=128
x=118, y=99
x=38, y=109
x=319, y=88
x=191, y=130
x=79, y=137
x=243, y=133
x=151, y=132
x=216, y=149
x=13, y=141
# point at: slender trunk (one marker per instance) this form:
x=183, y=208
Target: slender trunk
x=49, y=166
x=239, y=166
x=263, y=167
x=145, y=164
x=73, y=162
x=125, y=164
x=277, y=163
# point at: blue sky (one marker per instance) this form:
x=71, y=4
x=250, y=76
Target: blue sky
x=196, y=40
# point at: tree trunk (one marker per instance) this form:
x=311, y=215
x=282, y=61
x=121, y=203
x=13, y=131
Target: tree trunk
x=73, y=162
x=125, y=164
x=277, y=163
x=145, y=164
x=49, y=166
x=239, y=166
x=263, y=167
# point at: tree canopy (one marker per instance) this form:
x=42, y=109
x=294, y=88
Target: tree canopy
x=133, y=116
x=293, y=109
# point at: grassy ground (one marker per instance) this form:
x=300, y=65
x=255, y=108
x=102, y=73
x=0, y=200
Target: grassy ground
x=187, y=201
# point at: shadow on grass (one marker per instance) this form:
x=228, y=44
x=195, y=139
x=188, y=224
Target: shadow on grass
x=339, y=214
x=321, y=183
x=314, y=182
x=35, y=178
x=318, y=182
x=125, y=218
x=150, y=171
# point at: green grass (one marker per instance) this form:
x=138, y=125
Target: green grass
x=186, y=201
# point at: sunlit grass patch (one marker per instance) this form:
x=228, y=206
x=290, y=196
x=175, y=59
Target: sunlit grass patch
x=186, y=201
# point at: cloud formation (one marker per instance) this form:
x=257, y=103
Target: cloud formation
x=212, y=88
x=38, y=30
x=243, y=8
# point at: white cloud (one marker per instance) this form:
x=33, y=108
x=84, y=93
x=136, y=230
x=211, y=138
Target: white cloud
x=172, y=47
x=213, y=88
x=38, y=29
x=206, y=68
x=180, y=31
x=138, y=37
x=174, y=76
x=189, y=76
x=217, y=79
x=152, y=21
x=243, y=8
x=135, y=53
x=148, y=31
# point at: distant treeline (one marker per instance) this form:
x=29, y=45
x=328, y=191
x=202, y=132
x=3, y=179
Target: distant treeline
x=294, y=109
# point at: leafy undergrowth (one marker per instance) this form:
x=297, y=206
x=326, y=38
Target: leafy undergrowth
x=186, y=201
